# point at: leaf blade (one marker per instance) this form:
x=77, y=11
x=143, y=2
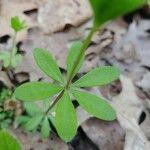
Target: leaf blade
x=97, y=77
x=33, y=122
x=104, y=10
x=72, y=56
x=17, y=24
x=45, y=129
x=66, y=119
x=95, y=105
x=31, y=108
x=47, y=64
x=33, y=91
x=8, y=142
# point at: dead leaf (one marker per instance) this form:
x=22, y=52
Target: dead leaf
x=56, y=14
x=106, y=135
x=35, y=142
x=145, y=82
x=128, y=108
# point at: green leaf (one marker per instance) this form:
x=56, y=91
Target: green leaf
x=17, y=24
x=66, y=119
x=95, y=105
x=45, y=129
x=107, y=10
x=98, y=76
x=8, y=142
x=33, y=91
x=21, y=120
x=72, y=56
x=5, y=58
x=47, y=64
x=33, y=122
x=32, y=109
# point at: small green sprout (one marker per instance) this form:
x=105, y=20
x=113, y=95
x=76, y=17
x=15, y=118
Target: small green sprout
x=65, y=115
x=11, y=58
x=17, y=24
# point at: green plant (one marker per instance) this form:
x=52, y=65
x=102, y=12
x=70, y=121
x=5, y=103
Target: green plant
x=9, y=108
x=33, y=119
x=11, y=58
x=5, y=116
x=8, y=142
x=65, y=115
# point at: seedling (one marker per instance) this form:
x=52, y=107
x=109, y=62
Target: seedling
x=65, y=114
x=11, y=58
x=33, y=119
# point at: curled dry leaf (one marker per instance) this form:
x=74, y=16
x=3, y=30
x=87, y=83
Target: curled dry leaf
x=129, y=108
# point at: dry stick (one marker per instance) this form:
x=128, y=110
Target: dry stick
x=82, y=51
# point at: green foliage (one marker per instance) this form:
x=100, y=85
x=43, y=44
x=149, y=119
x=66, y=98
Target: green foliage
x=35, y=118
x=95, y=105
x=17, y=24
x=72, y=56
x=6, y=117
x=97, y=77
x=5, y=94
x=11, y=59
x=66, y=119
x=107, y=10
x=47, y=64
x=32, y=109
x=45, y=128
x=8, y=142
x=33, y=122
x=33, y=91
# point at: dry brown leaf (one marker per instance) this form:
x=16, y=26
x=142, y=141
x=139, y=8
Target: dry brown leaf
x=56, y=14
x=145, y=82
x=128, y=108
x=34, y=142
x=106, y=135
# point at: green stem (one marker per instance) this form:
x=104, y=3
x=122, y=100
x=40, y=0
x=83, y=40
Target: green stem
x=72, y=74
x=82, y=51
x=55, y=101
x=12, y=50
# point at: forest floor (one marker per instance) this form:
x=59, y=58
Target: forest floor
x=125, y=43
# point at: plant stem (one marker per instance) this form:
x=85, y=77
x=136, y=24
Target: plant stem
x=12, y=50
x=55, y=101
x=82, y=51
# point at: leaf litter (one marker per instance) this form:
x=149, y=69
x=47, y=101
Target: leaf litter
x=125, y=46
